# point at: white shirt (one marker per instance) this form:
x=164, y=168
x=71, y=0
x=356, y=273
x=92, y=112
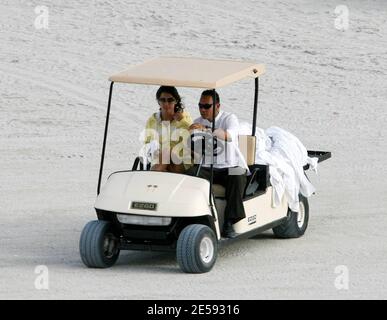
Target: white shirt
x=231, y=157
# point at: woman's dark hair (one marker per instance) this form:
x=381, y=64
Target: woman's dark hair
x=173, y=92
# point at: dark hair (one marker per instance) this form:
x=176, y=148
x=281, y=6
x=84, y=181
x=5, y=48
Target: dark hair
x=173, y=92
x=210, y=93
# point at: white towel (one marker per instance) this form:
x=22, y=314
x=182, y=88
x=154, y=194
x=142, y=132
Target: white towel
x=286, y=157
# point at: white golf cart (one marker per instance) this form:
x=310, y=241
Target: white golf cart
x=140, y=209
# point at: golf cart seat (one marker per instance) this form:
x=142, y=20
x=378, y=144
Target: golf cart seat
x=257, y=181
x=247, y=148
x=219, y=191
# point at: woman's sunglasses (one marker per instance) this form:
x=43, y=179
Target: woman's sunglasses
x=205, y=106
x=169, y=100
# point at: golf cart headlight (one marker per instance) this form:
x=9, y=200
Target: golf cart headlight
x=144, y=220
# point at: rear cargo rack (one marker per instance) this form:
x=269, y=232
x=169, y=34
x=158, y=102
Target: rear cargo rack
x=321, y=155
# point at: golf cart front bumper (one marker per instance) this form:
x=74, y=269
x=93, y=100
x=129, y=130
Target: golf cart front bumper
x=148, y=236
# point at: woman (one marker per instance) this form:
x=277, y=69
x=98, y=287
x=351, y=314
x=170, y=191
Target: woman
x=168, y=127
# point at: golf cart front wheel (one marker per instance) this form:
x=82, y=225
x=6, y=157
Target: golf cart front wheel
x=99, y=246
x=296, y=223
x=197, y=249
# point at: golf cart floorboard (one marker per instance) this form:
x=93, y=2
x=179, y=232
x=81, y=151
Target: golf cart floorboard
x=124, y=245
x=251, y=233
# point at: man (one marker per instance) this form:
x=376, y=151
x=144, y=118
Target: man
x=231, y=170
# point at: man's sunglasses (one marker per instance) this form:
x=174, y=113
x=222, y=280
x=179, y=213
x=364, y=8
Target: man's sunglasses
x=169, y=100
x=205, y=106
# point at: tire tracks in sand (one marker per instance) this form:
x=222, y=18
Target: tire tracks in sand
x=75, y=92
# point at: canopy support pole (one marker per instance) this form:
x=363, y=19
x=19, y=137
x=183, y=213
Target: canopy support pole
x=212, y=152
x=255, y=106
x=104, y=137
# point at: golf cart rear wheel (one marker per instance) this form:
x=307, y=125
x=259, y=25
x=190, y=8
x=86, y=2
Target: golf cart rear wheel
x=99, y=246
x=197, y=249
x=296, y=222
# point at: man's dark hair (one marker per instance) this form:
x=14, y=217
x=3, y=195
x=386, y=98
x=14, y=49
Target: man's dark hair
x=173, y=92
x=210, y=93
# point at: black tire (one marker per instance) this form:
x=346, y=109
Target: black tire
x=99, y=245
x=188, y=251
x=290, y=228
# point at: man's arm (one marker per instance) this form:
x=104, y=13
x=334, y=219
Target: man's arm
x=230, y=132
x=222, y=134
x=219, y=133
x=197, y=126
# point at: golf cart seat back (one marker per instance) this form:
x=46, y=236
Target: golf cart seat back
x=247, y=147
x=219, y=191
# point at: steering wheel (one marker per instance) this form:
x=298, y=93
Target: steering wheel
x=204, y=141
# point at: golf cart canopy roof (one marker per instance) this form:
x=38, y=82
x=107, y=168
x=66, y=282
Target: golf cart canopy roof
x=189, y=72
